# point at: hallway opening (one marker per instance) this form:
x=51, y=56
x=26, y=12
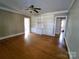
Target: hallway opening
x=26, y=27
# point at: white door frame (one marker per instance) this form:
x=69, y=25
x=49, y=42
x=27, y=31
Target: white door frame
x=26, y=26
x=56, y=20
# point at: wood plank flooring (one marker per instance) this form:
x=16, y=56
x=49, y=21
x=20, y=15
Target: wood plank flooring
x=33, y=47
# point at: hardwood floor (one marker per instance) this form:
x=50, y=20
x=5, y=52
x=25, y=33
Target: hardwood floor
x=34, y=47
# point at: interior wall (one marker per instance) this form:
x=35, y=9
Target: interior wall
x=43, y=24
x=72, y=35
x=10, y=23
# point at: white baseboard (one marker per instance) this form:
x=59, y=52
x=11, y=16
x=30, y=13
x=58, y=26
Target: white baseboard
x=69, y=52
x=9, y=36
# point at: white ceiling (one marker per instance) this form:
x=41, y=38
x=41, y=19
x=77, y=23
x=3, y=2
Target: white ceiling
x=45, y=5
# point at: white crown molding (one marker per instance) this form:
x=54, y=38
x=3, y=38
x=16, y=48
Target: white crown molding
x=9, y=36
x=14, y=11
x=71, y=5
x=57, y=12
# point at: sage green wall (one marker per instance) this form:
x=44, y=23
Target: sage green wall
x=10, y=23
x=72, y=35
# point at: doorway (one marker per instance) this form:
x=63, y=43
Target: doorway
x=26, y=26
x=61, y=28
x=62, y=34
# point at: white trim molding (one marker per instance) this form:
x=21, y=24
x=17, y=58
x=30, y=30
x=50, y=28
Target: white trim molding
x=71, y=5
x=9, y=36
x=72, y=54
x=69, y=52
x=56, y=12
x=14, y=11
